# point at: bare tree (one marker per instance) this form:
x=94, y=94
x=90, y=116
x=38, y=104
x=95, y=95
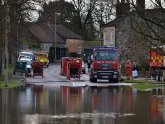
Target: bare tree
x=21, y=12
x=92, y=14
x=11, y=13
x=104, y=12
x=85, y=17
x=67, y=17
x=149, y=21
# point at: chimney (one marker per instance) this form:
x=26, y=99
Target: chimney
x=123, y=1
x=140, y=4
x=122, y=8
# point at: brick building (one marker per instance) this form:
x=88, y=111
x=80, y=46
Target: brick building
x=45, y=37
x=122, y=31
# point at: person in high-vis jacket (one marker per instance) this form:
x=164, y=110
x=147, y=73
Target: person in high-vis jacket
x=128, y=69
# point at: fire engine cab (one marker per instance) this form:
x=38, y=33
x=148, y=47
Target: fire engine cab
x=104, y=64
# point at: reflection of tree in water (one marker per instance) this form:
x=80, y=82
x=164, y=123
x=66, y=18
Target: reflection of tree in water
x=4, y=109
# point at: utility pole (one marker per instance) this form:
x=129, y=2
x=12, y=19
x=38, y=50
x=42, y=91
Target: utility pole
x=55, y=35
x=17, y=33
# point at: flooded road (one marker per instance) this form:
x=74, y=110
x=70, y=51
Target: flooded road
x=81, y=105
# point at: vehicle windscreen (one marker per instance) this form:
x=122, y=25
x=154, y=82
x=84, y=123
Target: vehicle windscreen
x=25, y=56
x=106, y=55
x=42, y=55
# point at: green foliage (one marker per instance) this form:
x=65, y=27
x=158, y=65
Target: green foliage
x=91, y=43
x=10, y=72
x=143, y=66
x=11, y=84
x=34, y=45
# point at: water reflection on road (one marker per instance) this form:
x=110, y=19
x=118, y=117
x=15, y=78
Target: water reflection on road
x=81, y=105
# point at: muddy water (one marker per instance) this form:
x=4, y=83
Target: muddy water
x=81, y=105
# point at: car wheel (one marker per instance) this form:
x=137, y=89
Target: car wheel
x=26, y=73
x=116, y=80
x=93, y=79
x=110, y=80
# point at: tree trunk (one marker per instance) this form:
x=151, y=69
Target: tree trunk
x=6, y=46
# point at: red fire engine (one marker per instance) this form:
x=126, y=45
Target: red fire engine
x=104, y=64
x=157, y=64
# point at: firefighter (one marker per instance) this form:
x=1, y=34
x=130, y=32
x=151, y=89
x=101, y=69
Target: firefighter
x=89, y=61
x=128, y=69
x=134, y=70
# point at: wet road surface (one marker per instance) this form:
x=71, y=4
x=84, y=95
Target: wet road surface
x=52, y=77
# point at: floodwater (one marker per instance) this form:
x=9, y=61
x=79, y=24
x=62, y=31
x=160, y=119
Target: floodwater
x=81, y=105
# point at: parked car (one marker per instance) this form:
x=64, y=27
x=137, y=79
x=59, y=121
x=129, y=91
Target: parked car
x=28, y=57
x=83, y=67
x=20, y=67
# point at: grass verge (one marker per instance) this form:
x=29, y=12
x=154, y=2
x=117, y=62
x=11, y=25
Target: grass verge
x=138, y=81
x=10, y=84
x=145, y=86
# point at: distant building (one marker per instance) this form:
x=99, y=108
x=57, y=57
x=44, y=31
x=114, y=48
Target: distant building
x=120, y=32
x=43, y=37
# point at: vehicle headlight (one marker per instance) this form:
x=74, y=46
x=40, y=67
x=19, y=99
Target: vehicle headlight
x=28, y=66
x=28, y=63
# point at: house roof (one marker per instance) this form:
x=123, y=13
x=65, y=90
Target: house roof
x=50, y=32
x=66, y=33
x=115, y=22
x=46, y=33
x=155, y=14
x=148, y=13
x=39, y=33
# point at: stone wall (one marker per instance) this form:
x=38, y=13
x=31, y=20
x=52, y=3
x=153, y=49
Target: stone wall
x=130, y=43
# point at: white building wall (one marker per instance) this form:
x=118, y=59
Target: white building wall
x=45, y=46
x=109, y=36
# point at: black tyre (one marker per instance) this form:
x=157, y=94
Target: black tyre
x=110, y=80
x=26, y=72
x=93, y=79
x=116, y=80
